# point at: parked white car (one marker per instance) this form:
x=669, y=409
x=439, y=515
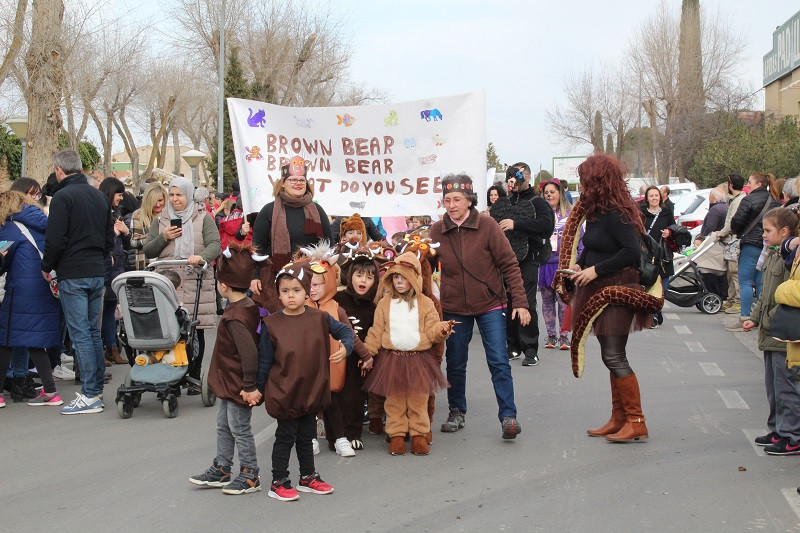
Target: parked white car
x=691, y=209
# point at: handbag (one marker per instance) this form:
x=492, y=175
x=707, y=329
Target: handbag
x=652, y=255
x=53, y=282
x=732, y=248
x=785, y=324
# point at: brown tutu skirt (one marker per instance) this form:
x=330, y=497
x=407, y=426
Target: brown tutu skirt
x=398, y=372
x=615, y=319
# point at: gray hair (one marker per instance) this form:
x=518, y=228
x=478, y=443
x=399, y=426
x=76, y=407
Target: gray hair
x=715, y=196
x=69, y=161
x=200, y=194
x=790, y=188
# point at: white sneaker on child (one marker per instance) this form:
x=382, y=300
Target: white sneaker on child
x=62, y=372
x=315, y=446
x=344, y=448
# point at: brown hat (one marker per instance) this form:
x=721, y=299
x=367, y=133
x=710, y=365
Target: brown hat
x=236, y=265
x=353, y=222
x=299, y=270
x=406, y=264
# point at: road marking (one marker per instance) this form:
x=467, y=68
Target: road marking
x=793, y=499
x=264, y=435
x=711, y=369
x=751, y=435
x=683, y=330
x=732, y=399
x=671, y=316
x=695, y=346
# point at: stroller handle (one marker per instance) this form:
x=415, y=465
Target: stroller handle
x=174, y=262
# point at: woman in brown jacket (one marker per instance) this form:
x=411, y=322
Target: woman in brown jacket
x=474, y=254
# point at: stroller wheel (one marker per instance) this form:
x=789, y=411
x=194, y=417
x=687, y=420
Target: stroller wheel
x=170, y=406
x=710, y=304
x=208, y=397
x=137, y=398
x=125, y=406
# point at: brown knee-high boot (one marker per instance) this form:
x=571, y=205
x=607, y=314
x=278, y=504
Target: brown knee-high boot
x=634, y=428
x=617, y=419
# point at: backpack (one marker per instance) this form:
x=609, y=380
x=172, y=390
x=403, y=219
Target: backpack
x=652, y=255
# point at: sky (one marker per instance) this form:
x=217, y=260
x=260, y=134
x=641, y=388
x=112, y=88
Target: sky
x=517, y=52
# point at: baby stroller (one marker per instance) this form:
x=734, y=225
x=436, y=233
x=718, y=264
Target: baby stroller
x=686, y=287
x=154, y=321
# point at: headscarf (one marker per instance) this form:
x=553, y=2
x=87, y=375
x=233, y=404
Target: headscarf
x=184, y=245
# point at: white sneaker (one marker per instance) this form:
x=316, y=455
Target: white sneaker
x=62, y=372
x=315, y=446
x=66, y=358
x=344, y=448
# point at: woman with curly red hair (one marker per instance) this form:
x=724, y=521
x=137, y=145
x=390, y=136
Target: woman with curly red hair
x=611, y=253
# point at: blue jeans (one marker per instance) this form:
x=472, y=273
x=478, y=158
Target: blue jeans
x=749, y=277
x=492, y=326
x=81, y=299
x=233, y=430
x=109, y=328
x=20, y=361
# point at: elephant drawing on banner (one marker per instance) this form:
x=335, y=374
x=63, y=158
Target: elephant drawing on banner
x=429, y=114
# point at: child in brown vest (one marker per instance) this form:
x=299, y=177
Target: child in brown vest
x=232, y=372
x=294, y=374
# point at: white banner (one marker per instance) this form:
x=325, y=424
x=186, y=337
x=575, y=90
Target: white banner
x=378, y=160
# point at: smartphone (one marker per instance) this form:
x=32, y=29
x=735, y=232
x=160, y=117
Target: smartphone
x=5, y=245
x=176, y=223
x=567, y=271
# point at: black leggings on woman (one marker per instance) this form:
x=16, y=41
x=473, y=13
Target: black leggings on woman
x=612, y=350
x=40, y=360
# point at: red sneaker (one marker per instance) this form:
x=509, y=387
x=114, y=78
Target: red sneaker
x=282, y=490
x=313, y=483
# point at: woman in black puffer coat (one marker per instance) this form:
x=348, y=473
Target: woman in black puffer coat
x=114, y=266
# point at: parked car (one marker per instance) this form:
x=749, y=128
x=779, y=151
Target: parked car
x=691, y=209
x=679, y=190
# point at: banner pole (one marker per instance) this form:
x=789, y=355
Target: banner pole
x=221, y=102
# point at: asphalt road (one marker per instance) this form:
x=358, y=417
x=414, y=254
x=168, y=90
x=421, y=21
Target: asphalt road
x=703, y=397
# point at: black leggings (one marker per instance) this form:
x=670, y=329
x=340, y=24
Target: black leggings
x=40, y=360
x=612, y=350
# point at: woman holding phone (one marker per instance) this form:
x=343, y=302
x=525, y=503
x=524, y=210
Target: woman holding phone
x=185, y=230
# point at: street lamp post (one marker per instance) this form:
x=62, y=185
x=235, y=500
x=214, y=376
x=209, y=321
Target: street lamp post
x=193, y=158
x=19, y=125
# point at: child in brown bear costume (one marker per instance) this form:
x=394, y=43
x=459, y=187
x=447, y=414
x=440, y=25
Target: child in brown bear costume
x=405, y=328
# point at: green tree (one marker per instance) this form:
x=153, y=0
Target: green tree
x=10, y=153
x=743, y=148
x=236, y=86
x=542, y=176
x=492, y=159
x=90, y=157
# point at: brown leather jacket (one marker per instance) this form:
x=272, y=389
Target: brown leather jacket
x=473, y=258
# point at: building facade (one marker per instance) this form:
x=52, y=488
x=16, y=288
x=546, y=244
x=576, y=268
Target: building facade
x=782, y=70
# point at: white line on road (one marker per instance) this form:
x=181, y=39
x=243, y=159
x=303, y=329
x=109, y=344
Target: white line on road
x=695, y=346
x=751, y=435
x=793, y=498
x=683, y=330
x=732, y=399
x=263, y=435
x=671, y=316
x=711, y=369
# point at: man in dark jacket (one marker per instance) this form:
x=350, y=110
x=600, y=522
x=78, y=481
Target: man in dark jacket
x=80, y=233
x=715, y=218
x=746, y=223
x=533, y=217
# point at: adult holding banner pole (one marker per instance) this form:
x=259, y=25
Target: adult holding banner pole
x=291, y=221
x=474, y=254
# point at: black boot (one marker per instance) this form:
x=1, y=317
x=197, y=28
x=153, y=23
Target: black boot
x=22, y=391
